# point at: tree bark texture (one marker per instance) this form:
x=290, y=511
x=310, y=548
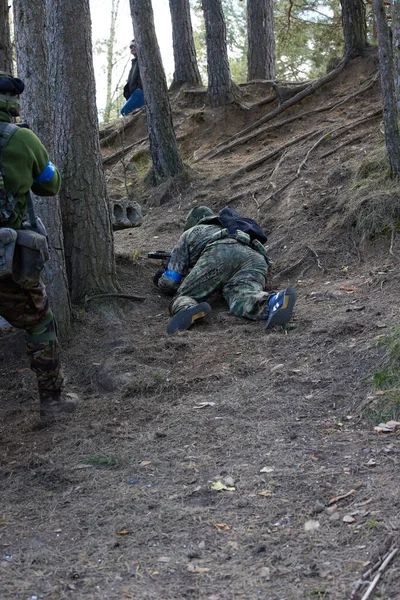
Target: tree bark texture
x=388, y=87
x=396, y=47
x=164, y=151
x=354, y=27
x=32, y=66
x=186, y=69
x=88, y=238
x=220, y=91
x=261, y=40
x=5, y=40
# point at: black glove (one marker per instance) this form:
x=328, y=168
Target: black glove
x=160, y=271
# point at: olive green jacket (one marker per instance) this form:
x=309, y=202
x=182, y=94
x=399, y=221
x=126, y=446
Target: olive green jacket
x=24, y=158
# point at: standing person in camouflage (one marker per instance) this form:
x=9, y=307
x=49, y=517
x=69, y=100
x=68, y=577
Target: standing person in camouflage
x=207, y=259
x=24, y=166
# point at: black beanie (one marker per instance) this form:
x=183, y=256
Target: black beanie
x=11, y=85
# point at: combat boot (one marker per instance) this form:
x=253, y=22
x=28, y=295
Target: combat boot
x=280, y=307
x=186, y=317
x=56, y=403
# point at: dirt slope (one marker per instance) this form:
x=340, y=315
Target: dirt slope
x=116, y=501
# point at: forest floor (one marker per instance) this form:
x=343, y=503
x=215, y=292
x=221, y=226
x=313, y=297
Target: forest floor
x=117, y=500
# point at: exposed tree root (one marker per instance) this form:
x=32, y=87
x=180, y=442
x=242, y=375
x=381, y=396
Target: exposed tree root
x=253, y=165
x=290, y=269
x=234, y=141
x=116, y=130
x=313, y=87
x=114, y=295
x=118, y=154
x=327, y=135
x=355, y=138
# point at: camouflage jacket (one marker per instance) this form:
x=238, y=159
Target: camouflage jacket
x=189, y=248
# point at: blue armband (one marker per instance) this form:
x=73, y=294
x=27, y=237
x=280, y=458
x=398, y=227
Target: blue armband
x=47, y=173
x=173, y=275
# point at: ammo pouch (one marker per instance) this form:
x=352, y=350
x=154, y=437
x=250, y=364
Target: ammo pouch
x=8, y=239
x=31, y=252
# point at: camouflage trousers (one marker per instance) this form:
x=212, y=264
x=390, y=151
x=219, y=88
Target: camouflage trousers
x=236, y=270
x=29, y=309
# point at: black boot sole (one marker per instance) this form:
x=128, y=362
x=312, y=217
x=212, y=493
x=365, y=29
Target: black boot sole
x=185, y=318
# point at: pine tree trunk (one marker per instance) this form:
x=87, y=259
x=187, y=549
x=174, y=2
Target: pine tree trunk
x=5, y=40
x=354, y=27
x=396, y=47
x=220, y=91
x=261, y=40
x=388, y=87
x=186, y=69
x=88, y=238
x=31, y=48
x=164, y=151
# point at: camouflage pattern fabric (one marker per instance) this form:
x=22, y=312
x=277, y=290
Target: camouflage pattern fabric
x=29, y=309
x=225, y=265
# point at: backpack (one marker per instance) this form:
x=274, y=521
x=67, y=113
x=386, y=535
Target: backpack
x=7, y=200
x=231, y=220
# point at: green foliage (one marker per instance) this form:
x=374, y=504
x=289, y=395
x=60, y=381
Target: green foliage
x=371, y=205
x=100, y=461
x=387, y=379
x=307, y=35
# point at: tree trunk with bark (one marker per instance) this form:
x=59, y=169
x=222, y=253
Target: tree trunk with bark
x=220, y=89
x=5, y=40
x=261, y=40
x=186, y=69
x=354, y=27
x=167, y=161
x=388, y=87
x=88, y=237
x=31, y=49
x=396, y=47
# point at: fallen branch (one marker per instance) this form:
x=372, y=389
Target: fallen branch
x=120, y=127
x=375, y=566
x=118, y=154
x=379, y=574
x=316, y=258
x=392, y=239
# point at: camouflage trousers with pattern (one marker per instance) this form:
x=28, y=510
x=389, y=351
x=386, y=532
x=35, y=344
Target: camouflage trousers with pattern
x=28, y=309
x=236, y=270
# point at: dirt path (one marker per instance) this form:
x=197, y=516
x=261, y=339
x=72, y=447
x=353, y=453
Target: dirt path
x=117, y=501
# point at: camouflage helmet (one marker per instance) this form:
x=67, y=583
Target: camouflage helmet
x=197, y=214
x=10, y=88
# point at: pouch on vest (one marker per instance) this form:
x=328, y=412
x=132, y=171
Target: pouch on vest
x=31, y=253
x=8, y=239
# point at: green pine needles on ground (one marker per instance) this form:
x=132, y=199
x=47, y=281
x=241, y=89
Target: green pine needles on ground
x=387, y=380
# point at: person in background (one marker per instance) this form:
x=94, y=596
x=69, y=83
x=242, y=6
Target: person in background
x=133, y=92
x=207, y=259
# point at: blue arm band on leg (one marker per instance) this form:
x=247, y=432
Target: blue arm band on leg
x=47, y=173
x=173, y=275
